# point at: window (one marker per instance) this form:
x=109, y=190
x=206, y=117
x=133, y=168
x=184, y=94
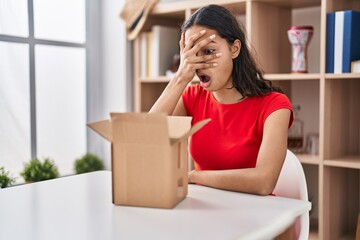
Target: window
x=43, y=82
x=14, y=105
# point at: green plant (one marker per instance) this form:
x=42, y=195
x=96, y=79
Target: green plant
x=35, y=170
x=88, y=163
x=5, y=179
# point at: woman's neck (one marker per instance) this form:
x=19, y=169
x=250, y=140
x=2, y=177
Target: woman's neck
x=228, y=96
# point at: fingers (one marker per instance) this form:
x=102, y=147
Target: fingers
x=192, y=39
x=190, y=59
x=202, y=43
x=205, y=65
x=182, y=42
x=193, y=62
x=205, y=58
x=193, y=66
x=198, y=60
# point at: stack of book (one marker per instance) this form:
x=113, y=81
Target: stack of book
x=342, y=40
x=157, y=49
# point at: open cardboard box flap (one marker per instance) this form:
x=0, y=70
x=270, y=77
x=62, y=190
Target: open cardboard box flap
x=136, y=125
x=178, y=130
x=103, y=128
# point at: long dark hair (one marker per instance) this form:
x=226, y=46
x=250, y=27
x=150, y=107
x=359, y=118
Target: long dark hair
x=246, y=76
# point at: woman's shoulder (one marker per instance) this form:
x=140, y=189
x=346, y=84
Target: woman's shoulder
x=271, y=101
x=274, y=94
x=274, y=97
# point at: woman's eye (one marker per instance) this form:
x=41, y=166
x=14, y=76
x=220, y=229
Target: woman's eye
x=208, y=51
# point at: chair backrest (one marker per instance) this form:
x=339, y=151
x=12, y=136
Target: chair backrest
x=292, y=184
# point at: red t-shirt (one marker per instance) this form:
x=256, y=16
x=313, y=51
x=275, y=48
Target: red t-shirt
x=231, y=140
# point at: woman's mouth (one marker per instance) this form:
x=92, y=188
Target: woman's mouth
x=204, y=78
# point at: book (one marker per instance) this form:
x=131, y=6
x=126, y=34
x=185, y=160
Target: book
x=143, y=54
x=355, y=66
x=346, y=41
x=330, y=34
x=338, y=41
x=149, y=53
x=164, y=45
x=351, y=39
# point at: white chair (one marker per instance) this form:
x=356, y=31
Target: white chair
x=292, y=184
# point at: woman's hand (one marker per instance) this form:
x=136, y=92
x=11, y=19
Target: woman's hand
x=189, y=59
x=191, y=175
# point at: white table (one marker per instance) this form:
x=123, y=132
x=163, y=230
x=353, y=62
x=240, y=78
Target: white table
x=79, y=207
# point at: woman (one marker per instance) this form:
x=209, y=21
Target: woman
x=244, y=145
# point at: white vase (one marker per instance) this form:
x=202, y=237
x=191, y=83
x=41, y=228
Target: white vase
x=299, y=37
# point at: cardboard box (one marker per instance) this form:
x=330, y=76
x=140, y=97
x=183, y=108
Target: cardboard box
x=149, y=157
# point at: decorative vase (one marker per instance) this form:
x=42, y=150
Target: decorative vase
x=299, y=37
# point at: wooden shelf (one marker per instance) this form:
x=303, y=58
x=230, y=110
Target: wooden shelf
x=159, y=79
x=292, y=76
x=272, y=77
x=345, y=162
x=343, y=76
x=313, y=235
x=309, y=159
x=347, y=237
x=293, y=4
x=314, y=229
x=177, y=9
x=162, y=79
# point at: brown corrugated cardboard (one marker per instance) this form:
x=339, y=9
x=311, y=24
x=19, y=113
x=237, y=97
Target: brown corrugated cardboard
x=149, y=157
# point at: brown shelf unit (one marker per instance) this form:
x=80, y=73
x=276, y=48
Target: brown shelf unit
x=333, y=176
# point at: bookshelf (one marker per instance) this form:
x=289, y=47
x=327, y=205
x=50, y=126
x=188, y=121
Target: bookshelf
x=333, y=176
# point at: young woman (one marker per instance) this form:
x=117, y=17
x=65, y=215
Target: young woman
x=244, y=145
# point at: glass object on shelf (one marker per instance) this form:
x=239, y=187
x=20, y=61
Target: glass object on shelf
x=296, y=132
x=312, y=143
x=299, y=37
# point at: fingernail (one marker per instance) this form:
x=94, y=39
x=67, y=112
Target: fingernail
x=218, y=54
x=215, y=64
x=212, y=36
x=203, y=31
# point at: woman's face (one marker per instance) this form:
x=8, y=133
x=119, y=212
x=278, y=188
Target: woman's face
x=219, y=77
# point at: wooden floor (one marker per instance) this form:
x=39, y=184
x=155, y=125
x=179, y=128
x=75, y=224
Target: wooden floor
x=313, y=236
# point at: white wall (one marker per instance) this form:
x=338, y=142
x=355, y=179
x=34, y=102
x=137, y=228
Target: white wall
x=115, y=50
x=112, y=92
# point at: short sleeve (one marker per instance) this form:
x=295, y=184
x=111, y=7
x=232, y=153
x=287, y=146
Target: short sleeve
x=189, y=98
x=276, y=101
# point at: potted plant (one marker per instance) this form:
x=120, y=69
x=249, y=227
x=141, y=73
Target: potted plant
x=35, y=170
x=88, y=163
x=5, y=179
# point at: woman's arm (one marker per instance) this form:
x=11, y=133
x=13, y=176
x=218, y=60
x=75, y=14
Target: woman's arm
x=261, y=179
x=170, y=101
